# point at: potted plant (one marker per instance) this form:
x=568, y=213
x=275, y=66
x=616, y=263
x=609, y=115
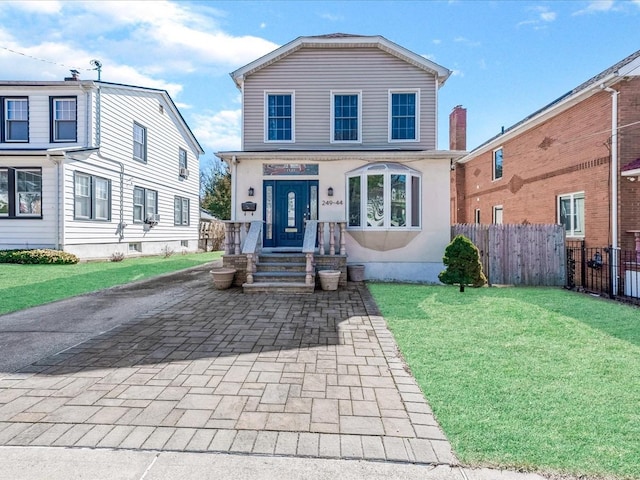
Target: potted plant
x=329, y=279
x=223, y=277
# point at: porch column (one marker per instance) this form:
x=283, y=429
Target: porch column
x=343, y=239
x=321, y=238
x=332, y=239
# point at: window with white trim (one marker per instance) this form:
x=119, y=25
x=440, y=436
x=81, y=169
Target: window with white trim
x=477, y=215
x=497, y=163
x=145, y=204
x=180, y=211
x=497, y=214
x=64, y=119
x=16, y=120
x=346, y=117
x=279, y=117
x=404, y=116
x=384, y=196
x=571, y=213
x=92, y=197
x=20, y=192
x=139, y=142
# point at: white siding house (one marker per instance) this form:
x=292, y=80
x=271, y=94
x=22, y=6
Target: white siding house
x=342, y=129
x=94, y=168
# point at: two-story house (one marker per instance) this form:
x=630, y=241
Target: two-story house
x=341, y=129
x=574, y=162
x=96, y=168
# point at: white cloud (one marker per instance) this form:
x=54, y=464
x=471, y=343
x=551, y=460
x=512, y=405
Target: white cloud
x=543, y=16
x=332, y=17
x=466, y=41
x=44, y=7
x=218, y=131
x=596, y=6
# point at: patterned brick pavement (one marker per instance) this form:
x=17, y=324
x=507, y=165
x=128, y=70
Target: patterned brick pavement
x=312, y=375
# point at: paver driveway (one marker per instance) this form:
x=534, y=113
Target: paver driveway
x=313, y=375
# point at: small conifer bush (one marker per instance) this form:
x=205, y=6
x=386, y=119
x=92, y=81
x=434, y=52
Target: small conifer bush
x=462, y=259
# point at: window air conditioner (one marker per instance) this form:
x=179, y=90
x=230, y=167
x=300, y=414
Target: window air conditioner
x=184, y=173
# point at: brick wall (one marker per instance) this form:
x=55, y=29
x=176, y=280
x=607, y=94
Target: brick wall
x=566, y=154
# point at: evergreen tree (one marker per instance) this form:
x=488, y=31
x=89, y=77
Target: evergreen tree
x=462, y=259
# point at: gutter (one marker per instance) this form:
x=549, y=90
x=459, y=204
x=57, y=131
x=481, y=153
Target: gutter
x=614, y=164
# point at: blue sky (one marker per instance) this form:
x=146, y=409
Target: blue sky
x=508, y=58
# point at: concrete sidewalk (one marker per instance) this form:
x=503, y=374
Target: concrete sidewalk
x=19, y=463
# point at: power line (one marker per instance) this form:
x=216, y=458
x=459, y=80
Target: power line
x=43, y=60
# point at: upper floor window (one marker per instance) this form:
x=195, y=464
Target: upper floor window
x=497, y=163
x=384, y=196
x=180, y=211
x=64, y=119
x=20, y=192
x=16, y=120
x=145, y=205
x=279, y=117
x=139, y=142
x=571, y=213
x=182, y=163
x=92, y=197
x=345, y=117
x=404, y=114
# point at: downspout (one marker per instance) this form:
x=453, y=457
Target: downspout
x=614, y=188
x=614, y=165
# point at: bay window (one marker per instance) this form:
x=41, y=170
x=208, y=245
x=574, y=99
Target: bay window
x=384, y=196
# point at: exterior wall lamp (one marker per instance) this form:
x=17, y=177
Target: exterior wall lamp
x=330, y=191
x=251, y=191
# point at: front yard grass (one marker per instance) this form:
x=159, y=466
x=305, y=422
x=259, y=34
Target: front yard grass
x=24, y=286
x=528, y=378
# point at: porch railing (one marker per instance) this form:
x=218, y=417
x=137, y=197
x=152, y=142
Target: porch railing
x=308, y=248
x=251, y=247
x=331, y=236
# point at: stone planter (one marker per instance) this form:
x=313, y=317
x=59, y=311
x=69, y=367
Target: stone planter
x=355, y=273
x=329, y=279
x=223, y=277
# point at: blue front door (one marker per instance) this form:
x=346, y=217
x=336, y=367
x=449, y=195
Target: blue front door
x=287, y=205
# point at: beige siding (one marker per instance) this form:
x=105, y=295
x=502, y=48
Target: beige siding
x=313, y=73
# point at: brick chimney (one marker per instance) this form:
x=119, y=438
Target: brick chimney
x=458, y=128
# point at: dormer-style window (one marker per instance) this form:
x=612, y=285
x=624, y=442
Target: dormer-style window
x=404, y=116
x=16, y=120
x=279, y=113
x=64, y=119
x=346, y=117
x=384, y=196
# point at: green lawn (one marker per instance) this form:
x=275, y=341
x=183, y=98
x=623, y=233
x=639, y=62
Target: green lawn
x=532, y=378
x=23, y=286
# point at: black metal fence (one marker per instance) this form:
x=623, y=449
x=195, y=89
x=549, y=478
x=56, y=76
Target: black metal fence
x=606, y=271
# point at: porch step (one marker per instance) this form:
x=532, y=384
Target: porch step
x=294, y=288
x=280, y=272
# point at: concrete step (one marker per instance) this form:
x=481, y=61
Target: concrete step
x=294, y=288
x=278, y=276
x=282, y=258
x=281, y=267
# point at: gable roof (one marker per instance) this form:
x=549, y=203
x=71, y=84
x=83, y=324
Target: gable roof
x=610, y=76
x=342, y=40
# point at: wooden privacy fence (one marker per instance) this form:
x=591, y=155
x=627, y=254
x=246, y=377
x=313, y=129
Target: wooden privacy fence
x=211, y=236
x=519, y=254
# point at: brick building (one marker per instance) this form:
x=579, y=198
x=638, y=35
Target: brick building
x=575, y=161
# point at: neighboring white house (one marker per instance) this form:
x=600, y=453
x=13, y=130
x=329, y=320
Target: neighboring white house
x=342, y=129
x=94, y=168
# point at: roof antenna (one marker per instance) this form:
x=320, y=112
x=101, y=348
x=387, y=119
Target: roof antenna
x=98, y=66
